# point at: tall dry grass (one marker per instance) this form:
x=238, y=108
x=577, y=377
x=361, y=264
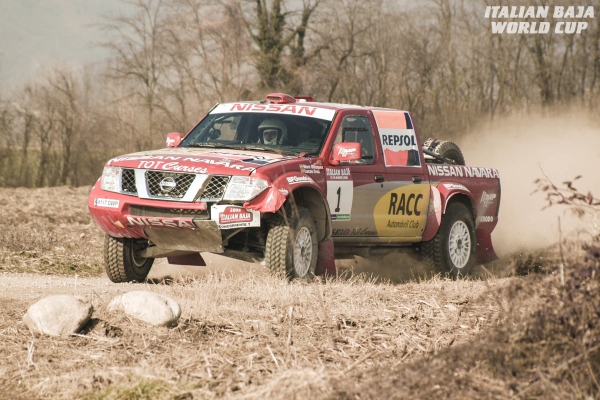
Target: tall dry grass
x=48, y=231
x=245, y=334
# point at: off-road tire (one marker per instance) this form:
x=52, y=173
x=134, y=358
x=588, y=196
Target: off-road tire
x=120, y=261
x=451, y=151
x=453, y=249
x=292, y=248
x=446, y=149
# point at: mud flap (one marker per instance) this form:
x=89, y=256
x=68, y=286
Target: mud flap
x=188, y=259
x=485, y=249
x=325, y=260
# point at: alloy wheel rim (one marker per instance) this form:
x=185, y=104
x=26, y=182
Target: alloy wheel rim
x=459, y=244
x=303, y=252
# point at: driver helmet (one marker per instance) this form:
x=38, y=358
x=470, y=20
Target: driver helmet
x=272, y=131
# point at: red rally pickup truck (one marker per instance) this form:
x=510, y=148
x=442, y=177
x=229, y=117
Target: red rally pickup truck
x=296, y=183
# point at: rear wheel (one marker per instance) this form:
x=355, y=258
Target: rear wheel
x=452, y=250
x=292, y=248
x=122, y=260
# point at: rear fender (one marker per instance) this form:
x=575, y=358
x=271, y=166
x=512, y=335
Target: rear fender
x=449, y=189
x=434, y=214
x=439, y=198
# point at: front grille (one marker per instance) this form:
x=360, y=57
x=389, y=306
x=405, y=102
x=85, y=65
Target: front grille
x=128, y=181
x=214, y=188
x=181, y=184
x=140, y=211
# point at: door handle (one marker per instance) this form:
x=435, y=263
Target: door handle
x=379, y=178
x=416, y=179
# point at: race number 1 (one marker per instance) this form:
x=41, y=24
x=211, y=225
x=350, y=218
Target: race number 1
x=339, y=197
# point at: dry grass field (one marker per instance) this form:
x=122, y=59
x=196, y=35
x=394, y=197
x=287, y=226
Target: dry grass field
x=246, y=335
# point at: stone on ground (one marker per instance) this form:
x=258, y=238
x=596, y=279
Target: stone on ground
x=58, y=315
x=152, y=308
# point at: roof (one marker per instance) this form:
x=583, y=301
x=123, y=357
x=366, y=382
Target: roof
x=281, y=98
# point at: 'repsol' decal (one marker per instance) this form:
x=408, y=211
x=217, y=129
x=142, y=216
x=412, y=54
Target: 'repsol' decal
x=398, y=139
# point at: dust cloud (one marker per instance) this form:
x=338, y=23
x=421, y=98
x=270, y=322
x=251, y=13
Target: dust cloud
x=523, y=149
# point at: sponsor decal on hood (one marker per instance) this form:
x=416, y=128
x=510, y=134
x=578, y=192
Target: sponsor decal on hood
x=197, y=161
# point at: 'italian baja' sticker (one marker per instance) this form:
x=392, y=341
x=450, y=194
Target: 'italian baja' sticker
x=230, y=217
x=340, y=192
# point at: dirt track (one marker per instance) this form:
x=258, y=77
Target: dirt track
x=23, y=286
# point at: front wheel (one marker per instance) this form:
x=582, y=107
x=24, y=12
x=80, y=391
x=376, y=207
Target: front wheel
x=122, y=260
x=452, y=250
x=292, y=248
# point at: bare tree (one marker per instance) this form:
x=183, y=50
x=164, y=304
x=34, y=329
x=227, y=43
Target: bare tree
x=208, y=59
x=276, y=31
x=63, y=91
x=139, y=61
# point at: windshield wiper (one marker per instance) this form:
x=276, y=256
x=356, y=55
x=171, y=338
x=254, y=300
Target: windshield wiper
x=270, y=150
x=212, y=145
x=261, y=148
x=242, y=147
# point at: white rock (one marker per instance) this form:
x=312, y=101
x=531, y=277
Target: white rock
x=152, y=308
x=59, y=315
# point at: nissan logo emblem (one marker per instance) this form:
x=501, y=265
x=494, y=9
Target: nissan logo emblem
x=167, y=184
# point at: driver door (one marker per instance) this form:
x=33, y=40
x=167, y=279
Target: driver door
x=354, y=188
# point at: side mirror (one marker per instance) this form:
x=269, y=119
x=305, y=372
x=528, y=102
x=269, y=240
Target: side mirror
x=346, y=151
x=173, y=139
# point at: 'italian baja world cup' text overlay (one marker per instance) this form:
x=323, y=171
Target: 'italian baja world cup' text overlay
x=569, y=20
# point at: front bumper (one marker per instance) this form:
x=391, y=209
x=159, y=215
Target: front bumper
x=169, y=225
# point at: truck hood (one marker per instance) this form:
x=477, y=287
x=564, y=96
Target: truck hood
x=198, y=161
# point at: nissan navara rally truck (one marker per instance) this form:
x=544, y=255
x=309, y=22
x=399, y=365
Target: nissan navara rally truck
x=295, y=183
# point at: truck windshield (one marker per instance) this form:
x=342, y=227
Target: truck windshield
x=278, y=133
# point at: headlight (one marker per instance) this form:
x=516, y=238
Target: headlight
x=244, y=188
x=111, y=179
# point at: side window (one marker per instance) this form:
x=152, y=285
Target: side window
x=357, y=129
